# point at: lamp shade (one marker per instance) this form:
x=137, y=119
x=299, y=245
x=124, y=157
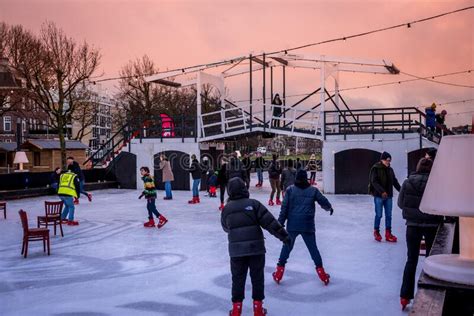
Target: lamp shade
x=450, y=187
x=20, y=157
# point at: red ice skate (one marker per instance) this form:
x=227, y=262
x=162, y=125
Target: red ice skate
x=193, y=201
x=377, y=235
x=161, y=221
x=270, y=202
x=72, y=223
x=236, y=309
x=323, y=275
x=258, y=309
x=389, y=237
x=278, y=202
x=150, y=223
x=89, y=197
x=278, y=274
x=198, y=200
x=404, y=302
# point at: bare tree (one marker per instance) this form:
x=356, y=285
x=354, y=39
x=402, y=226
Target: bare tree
x=53, y=66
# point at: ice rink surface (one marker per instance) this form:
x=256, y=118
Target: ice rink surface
x=111, y=265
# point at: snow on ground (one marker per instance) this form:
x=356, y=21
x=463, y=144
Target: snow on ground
x=111, y=265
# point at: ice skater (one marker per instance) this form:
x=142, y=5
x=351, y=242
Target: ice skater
x=222, y=181
x=418, y=225
x=196, y=173
x=274, y=172
x=312, y=167
x=149, y=193
x=212, y=183
x=288, y=176
x=298, y=210
x=243, y=219
x=69, y=191
x=74, y=167
x=382, y=180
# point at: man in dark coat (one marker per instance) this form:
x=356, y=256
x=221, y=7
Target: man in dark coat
x=196, y=173
x=243, y=219
x=298, y=211
x=419, y=225
x=260, y=165
x=288, y=176
x=235, y=168
x=247, y=164
x=74, y=167
x=382, y=180
x=274, y=173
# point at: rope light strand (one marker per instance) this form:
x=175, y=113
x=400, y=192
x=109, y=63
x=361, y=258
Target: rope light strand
x=344, y=38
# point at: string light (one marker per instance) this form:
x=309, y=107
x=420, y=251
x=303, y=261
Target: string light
x=224, y=62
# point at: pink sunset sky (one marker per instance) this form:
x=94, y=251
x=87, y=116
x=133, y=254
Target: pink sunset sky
x=184, y=33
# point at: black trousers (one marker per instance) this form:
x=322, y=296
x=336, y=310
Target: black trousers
x=222, y=192
x=239, y=267
x=414, y=236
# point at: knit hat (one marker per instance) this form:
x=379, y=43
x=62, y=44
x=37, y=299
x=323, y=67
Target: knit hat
x=301, y=180
x=385, y=155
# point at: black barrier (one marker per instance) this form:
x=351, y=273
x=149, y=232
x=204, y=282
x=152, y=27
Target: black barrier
x=28, y=180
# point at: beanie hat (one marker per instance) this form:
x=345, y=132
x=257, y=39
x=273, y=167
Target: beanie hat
x=301, y=175
x=385, y=155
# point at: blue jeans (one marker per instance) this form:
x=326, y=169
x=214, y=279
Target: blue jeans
x=68, y=207
x=168, y=189
x=81, y=187
x=151, y=207
x=260, y=175
x=196, y=183
x=310, y=241
x=381, y=204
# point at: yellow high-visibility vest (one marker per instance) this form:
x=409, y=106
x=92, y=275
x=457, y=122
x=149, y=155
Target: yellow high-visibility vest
x=66, y=184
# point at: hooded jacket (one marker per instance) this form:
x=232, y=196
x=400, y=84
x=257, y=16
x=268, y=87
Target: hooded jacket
x=235, y=168
x=274, y=171
x=382, y=179
x=243, y=219
x=298, y=207
x=409, y=201
x=288, y=177
x=196, y=170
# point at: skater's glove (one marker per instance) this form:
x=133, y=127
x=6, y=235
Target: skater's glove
x=141, y=195
x=384, y=195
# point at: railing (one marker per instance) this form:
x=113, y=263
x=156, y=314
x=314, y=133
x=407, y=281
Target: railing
x=152, y=127
x=378, y=121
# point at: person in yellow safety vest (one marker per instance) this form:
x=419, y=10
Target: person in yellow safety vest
x=68, y=192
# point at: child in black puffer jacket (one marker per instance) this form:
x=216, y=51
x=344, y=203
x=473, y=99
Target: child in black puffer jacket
x=243, y=219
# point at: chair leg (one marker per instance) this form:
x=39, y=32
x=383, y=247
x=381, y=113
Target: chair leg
x=23, y=246
x=5, y=213
x=61, y=228
x=44, y=244
x=26, y=247
x=48, y=246
x=38, y=223
x=54, y=228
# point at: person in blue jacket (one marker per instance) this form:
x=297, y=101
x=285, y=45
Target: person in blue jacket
x=298, y=211
x=431, y=118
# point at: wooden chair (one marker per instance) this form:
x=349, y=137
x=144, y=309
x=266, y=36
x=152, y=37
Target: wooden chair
x=3, y=206
x=33, y=234
x=52, y=215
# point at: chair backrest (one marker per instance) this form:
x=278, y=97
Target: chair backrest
x=53, y=208
x=24, y=221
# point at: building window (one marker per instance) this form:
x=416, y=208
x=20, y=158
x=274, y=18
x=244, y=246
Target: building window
x=7, y=123
x=37, y=158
